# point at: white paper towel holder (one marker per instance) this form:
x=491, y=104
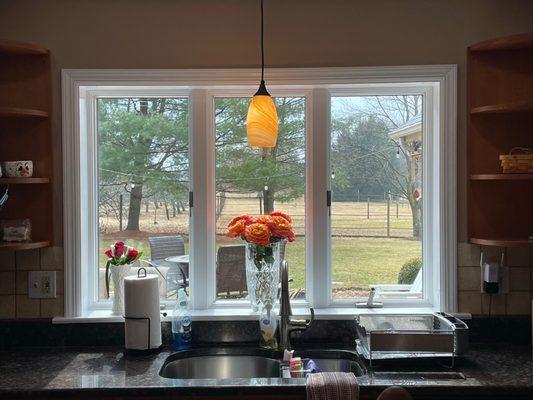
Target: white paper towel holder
x=148, y=349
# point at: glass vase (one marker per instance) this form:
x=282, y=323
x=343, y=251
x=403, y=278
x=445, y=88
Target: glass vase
x=262, y=274
x=118, y=273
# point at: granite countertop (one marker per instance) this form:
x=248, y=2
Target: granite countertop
x=488, y=371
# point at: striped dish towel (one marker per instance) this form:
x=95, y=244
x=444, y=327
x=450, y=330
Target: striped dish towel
x=332, y=386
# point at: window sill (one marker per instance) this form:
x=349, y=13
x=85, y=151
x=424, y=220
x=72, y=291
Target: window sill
x=245, y=314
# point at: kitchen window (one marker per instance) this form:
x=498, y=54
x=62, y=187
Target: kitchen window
x=369, y=191
x=248, y=181
x=377, y=186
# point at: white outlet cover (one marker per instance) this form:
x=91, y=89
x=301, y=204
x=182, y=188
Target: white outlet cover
x=41, y=284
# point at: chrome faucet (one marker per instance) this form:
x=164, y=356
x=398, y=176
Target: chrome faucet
x=287, y=324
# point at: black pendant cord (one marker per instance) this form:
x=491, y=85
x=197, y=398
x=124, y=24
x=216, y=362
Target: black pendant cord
x=262, y=88
x=262, y=46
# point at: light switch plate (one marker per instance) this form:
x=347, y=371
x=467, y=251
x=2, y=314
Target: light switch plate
x=42, y=284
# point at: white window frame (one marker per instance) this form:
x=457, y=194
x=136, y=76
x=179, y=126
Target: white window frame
x=430, y=182
x=317, y=84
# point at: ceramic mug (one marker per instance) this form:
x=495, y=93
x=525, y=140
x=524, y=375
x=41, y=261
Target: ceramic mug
x=18, y=169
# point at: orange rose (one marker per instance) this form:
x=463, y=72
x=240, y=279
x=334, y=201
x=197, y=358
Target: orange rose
x=258, y=233
x=247, y=218
x=281, y=227
x=263, y=219
x=237, y=229
x=281, y=214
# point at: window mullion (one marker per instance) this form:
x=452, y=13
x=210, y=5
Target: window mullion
x=319, y=280
x=202, y=275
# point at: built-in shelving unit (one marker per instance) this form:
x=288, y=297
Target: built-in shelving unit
x=501, y=177
x=13, y=112
x=25, y=134
x=508, y=108
x=18, y=48
x=500, y=100
x=515, y=42
x=502, y=242
x=13, y=246
x=23, y=181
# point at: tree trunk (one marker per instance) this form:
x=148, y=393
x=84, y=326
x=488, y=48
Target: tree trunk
x=416, y=211
x=166, y=211
x=134, y=211
x=136, y=194
x=268, y=201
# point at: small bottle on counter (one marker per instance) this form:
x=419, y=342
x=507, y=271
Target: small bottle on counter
x=181, y=323
x=296, y=368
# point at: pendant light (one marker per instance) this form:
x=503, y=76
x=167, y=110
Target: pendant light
x=262, y=119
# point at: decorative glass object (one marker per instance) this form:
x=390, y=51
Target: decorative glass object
x=262, y=274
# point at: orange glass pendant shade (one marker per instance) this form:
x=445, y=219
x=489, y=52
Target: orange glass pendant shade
x=262, y=122
x=262, y=119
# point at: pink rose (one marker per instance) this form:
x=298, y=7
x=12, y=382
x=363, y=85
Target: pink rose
x=132, y=254
x=120, y=249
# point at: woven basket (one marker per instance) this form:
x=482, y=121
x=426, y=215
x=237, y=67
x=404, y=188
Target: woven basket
x=517, y=163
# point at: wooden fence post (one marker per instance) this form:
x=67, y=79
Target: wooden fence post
x=120, y=202
x=397, y=212
x=388, y=215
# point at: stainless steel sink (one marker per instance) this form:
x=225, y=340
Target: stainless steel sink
x=335, y=360
x=221, y=367
x=221, y=363
x=246, y=363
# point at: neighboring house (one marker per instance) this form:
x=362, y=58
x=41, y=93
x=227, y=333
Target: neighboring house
x=410, y=131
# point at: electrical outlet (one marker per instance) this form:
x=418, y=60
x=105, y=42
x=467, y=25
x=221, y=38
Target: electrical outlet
x=503, y=281
x=41, y=284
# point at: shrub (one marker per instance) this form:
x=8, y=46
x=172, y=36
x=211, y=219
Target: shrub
x=409, y=271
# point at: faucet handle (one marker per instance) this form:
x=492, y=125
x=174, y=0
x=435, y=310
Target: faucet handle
x=303, y=324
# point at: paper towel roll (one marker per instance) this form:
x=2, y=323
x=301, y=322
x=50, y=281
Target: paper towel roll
x=141, y=300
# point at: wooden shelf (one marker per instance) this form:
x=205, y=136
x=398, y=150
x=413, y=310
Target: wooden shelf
x=501, y=177
x=506, y=108
x=12, y=246
x=500, y=104
x=16, y=48
x=23, y=181
x=12, y=112
x=502, y=242
x=514, y=42
x=26, y=131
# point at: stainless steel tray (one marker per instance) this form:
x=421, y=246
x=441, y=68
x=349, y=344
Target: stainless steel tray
x=390, y=336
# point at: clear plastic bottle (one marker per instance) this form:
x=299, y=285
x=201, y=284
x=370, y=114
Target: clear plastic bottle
x=181, y=323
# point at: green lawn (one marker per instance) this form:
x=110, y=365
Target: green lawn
x=357, y=262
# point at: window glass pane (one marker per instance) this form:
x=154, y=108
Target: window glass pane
x=250, y=181
x=143, y=184
x=376, y=182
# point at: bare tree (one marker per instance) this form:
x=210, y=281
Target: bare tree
x=395, y=112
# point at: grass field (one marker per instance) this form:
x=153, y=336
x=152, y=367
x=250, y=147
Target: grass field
x=361, y=252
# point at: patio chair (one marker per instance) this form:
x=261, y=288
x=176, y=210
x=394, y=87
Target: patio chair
x=231, y=269
x=162, y=247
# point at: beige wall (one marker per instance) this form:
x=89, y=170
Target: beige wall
x=223, y=33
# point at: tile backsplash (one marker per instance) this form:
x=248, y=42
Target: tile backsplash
x=14, y=268
x=15, y=303
x=516, y=302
